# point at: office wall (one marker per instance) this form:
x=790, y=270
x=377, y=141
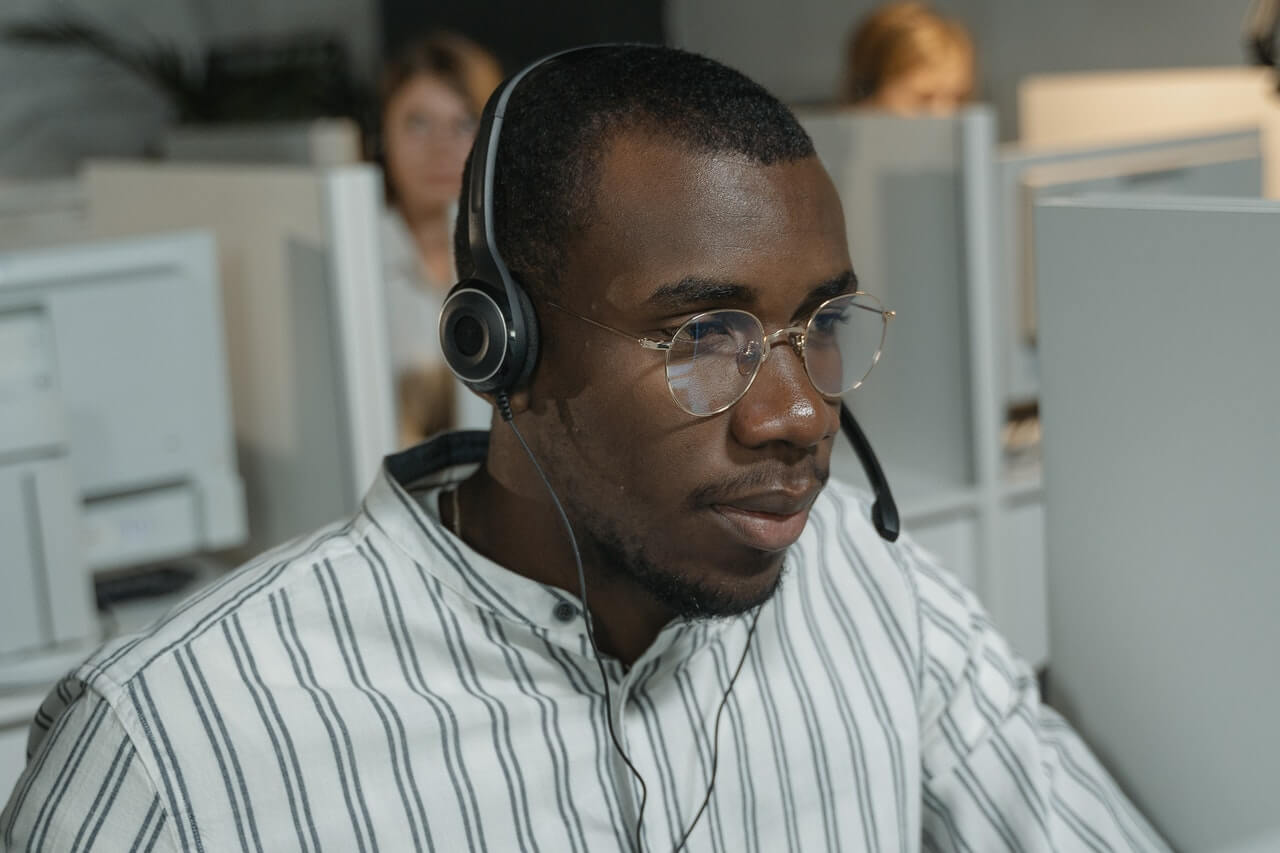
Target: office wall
x=795, y=47
x=57, y=107
x=517, y=33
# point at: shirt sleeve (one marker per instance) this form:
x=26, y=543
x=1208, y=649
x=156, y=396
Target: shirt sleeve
x=85, y=787
x=1001, y=771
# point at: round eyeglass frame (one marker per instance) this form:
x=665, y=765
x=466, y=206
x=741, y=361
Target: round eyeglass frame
x=794, y=336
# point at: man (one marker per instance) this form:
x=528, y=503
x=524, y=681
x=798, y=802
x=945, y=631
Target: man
x=771, y=674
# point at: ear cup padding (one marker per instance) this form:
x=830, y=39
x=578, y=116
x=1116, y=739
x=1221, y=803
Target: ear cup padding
x=482, y=343
x=529, y=354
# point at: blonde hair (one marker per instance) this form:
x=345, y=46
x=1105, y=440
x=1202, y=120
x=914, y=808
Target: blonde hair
x=895, y=39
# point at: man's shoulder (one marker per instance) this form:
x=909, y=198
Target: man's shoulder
x=248, y=601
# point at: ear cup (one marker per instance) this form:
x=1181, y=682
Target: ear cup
x=529, y=355
x=484, y=345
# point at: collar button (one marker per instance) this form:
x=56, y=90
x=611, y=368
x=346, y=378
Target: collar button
x=564, y=612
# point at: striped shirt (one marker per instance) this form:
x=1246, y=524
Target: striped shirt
x=381, y=686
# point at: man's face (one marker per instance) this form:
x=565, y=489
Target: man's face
x=696, y=511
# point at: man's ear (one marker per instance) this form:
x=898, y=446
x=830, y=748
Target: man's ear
x=519, y=400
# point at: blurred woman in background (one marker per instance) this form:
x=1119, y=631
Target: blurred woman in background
x=907, y=59
x=432, y=94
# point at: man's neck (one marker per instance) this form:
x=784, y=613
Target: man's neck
x=520, y=530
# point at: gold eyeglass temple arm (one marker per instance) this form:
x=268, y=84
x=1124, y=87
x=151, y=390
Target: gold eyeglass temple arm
x=647, y=343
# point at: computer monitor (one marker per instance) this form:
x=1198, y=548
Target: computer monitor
x=115, y=430
x=302, y=294
x=1220, y=164
x=1162, y=477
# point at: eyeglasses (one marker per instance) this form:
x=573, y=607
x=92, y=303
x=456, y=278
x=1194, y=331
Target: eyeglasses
x=713, y=358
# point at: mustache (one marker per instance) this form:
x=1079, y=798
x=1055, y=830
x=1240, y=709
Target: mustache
x=764, y=477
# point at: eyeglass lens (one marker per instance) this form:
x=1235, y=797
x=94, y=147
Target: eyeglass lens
x=715, y=356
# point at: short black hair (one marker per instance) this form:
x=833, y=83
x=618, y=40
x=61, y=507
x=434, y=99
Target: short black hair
x=562, y=116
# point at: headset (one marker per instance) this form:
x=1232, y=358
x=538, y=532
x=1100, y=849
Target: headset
x=488, y=328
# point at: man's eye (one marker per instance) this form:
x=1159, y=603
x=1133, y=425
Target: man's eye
x=706, y=330
x=831, y=319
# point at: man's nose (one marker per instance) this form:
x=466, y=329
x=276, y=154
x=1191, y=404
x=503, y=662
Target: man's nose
x=782, y=405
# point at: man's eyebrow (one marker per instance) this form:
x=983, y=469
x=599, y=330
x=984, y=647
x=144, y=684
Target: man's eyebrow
x=692, y=290
x=845, y=282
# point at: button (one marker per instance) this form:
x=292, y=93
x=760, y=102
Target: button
x=565, y=612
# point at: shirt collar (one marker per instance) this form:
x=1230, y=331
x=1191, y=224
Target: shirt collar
x=403, y=502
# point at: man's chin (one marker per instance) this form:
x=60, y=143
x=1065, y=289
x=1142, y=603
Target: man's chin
x=715, y=598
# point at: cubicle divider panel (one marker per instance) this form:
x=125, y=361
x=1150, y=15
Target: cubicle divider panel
x=918, y=197
x=1109, y=107
x=302, y=295
x=1160, y=405
x=901, y=184
x=1214, y=164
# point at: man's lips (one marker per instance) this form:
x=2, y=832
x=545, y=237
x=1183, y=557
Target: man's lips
x=769, y=521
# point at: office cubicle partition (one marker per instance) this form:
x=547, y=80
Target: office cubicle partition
x=1110, y=107
x=41, y=212
x=302, y=292
x=933, y=210
x=918, y=196
x=314, y=142
x=1162, y=478
x=1220, y=164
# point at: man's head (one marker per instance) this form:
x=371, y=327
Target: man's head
x=637, y=187
x=562, y=115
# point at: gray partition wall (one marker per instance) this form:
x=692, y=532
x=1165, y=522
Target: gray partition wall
x=918, y=199
x=1161, y=409
x=1218, y=164
x=302, y=296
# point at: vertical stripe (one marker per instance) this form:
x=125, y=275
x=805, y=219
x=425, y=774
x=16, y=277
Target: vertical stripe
x=553, y=733
x=932, y=803
x=302, y=670
x=868, y=676
x=216, y=747
x=277, y=731
x=704, y=747
x=852, y=730
x=155, y=833
x=66, y=773
x=146, y=830
x=661, y=756
x=818, y=746
x=167, y=761
x=746, y=785
x=597, y=713
x=111, y=799
x=106, y=791
x=344, y=636
x=450, y=741
x=36, y=765
x=777, y=739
